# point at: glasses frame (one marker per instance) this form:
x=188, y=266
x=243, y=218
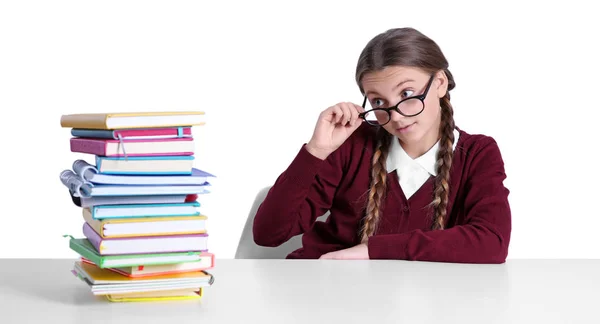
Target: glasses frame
x=389, y=110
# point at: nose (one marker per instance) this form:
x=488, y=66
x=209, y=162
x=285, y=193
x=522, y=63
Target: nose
x=395, y=115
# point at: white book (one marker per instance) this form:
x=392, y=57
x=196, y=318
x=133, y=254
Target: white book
x=104, y=281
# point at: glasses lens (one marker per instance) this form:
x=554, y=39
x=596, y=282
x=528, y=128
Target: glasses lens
x=411, y=107
x=377, y=117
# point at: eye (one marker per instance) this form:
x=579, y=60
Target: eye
x=377, y=103
x=407, y=93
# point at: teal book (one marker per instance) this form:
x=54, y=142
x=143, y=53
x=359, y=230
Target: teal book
x=146, y=165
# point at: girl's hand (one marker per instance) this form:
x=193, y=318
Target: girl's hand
x=358, y=252
x=334, y=126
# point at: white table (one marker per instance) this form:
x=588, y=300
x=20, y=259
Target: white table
x=313, y=291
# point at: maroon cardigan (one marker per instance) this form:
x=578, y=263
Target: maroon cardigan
x=478, y=225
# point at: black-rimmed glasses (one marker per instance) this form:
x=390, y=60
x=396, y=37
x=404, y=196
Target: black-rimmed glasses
x=407, y=107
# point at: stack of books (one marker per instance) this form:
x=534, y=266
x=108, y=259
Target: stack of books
x=143, y=236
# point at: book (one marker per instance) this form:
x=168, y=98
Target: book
x=129, y=120
x=87, y=202
x=142, y=133
x=164, y=295
x=80, y=188
x=143, y=147
x=141, y=245
x=104, y=281
x=89, y=173
x=143, y=210
x=146, y=226
x=206, y=263
x=145, y=165
x=84, y=248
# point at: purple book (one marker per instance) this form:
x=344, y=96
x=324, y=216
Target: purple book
x=147, y=244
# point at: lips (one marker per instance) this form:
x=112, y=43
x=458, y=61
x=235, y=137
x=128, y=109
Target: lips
x=403, y=128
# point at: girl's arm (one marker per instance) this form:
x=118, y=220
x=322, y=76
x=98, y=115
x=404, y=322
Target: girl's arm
x=485, y=236
x=301, y=194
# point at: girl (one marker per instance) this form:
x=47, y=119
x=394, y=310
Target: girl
x=398, y=179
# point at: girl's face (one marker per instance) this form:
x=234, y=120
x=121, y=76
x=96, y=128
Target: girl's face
x=387, y=87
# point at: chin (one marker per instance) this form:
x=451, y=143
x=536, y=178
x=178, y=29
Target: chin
x=413, y=134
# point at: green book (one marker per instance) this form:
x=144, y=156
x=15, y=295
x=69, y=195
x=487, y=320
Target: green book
x=84, y=248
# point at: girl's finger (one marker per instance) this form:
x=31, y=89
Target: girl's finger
x=347, y=114
x=338, y=114
x=354, y=114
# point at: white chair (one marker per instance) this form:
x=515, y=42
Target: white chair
x=247, y=249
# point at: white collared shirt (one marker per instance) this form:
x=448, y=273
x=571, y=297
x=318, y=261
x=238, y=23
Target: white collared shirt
x=413, y=173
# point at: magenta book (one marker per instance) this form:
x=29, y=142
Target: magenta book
x=143, y=147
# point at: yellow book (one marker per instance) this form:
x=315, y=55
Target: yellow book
x=129, y=120
x=176, y=294
x=146, y=226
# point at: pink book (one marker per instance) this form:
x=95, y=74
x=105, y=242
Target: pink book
x=147, y=147
x=144, y=133
x=146, y=244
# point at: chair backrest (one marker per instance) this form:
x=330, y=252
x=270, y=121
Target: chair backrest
x=247, y=249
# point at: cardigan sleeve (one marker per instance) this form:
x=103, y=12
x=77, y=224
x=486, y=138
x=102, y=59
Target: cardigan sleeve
x=485, y=235
x=301, y=194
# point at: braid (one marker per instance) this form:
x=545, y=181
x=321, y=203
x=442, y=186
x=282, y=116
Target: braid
x=378, y=185
x=443, y=165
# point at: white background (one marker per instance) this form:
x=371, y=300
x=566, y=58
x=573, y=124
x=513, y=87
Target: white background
x=527, y=75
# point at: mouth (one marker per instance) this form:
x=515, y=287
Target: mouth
x=405, y=128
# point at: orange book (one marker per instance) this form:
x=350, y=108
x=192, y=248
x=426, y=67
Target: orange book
x=145, y=226
x=131, y=120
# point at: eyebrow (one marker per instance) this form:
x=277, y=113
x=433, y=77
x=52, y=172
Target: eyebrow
x=396, y=87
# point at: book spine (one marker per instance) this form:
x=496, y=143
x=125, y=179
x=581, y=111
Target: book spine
x=85, y=121
x=96, y=147
x=76, y=185
x=93, y=237
x=93, y=133
x=84, y=170
x=86, y=253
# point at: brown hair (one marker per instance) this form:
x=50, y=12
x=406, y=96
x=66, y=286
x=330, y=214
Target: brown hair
x=407, y=47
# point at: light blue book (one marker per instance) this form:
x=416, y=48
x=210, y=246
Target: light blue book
x=91, y=174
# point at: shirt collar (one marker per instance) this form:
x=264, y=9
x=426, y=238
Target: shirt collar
x=398, y=159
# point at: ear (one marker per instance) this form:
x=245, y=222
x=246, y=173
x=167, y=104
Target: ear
x=441, y=83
